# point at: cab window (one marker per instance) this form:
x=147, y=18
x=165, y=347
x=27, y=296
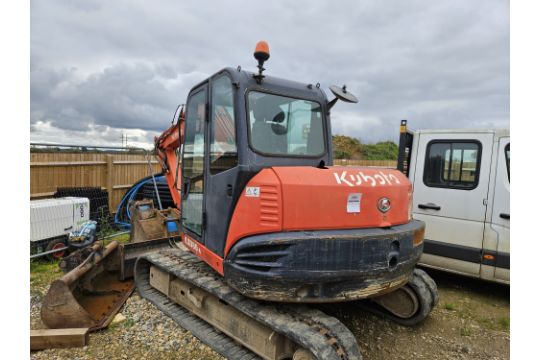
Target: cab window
x=223, y=151
x=285, y=126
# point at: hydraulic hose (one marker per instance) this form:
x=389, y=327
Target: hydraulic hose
x=123, y=215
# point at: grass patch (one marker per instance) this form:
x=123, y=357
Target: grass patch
x=450, y=306
x=465, y=331
x=42, y=273
x=128, y=323
x=499, y=324
x=504, y=323
x=123, y=239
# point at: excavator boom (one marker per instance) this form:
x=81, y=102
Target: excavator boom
x=167, y=146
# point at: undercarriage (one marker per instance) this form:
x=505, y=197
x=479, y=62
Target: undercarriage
x=237, y=327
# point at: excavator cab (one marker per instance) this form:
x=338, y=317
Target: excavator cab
x=234, y=128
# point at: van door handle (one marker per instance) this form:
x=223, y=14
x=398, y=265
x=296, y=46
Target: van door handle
x=429, y=206
x=505, y=216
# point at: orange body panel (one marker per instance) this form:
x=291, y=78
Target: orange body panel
x=257, y=214
x=309, y=198
x=203, y=253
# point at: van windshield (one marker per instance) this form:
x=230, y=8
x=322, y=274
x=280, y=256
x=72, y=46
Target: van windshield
x=281, y=125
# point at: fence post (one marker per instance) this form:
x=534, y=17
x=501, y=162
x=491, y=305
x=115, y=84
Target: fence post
x=110, y=179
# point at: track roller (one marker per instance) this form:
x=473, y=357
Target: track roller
x=408, y=305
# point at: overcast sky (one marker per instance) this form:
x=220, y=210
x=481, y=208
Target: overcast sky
x=103, y=68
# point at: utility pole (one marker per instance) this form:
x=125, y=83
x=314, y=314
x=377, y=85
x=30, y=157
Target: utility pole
x=124, y=140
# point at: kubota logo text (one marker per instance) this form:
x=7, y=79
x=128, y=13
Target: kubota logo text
x=359, y=178
x=192, y=244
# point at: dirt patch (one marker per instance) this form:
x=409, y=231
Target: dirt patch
x=470, y=322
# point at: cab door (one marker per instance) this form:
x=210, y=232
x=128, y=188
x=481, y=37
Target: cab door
x=222, y=170
x=450, y=194
x=193, y=165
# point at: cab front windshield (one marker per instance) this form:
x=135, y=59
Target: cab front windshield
x=282, y=125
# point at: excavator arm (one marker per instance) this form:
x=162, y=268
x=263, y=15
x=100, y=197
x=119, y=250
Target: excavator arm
x=167, y=147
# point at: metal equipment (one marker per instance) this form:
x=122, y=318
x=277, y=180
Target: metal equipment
x=271, y=225
x=90, y=294
x=76, y=240
x=98, y=279
x=51, y=220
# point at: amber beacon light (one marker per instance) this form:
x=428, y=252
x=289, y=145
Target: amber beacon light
x=261, y=54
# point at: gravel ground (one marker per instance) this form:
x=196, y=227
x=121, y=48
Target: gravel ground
x=470, y=322
x=145, y=334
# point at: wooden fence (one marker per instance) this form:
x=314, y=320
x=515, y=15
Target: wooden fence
x=114, y=172
x=370, y=163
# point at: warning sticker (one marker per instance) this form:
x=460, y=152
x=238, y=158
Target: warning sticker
x=353, y=203
x=253, y=191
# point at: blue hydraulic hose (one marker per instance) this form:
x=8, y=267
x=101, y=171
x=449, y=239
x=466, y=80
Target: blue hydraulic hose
x=127, y=198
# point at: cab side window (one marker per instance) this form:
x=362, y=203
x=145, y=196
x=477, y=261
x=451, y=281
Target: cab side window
x=223, y=152
x=452, y=164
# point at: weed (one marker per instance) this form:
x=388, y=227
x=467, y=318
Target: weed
x=504, y=323
x=123, y=238
x=129, y=322
x=104, y=223
x=465, y=330
x=450, y=306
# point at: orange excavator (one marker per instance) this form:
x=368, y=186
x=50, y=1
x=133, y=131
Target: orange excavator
x=268, y=225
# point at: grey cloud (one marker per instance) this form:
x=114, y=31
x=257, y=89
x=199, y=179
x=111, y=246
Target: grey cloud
x=127, y=64
x=123, y=96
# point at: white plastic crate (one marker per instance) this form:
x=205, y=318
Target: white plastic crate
x=51, y=218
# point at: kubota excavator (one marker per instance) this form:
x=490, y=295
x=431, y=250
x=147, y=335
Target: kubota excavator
x=268, y=225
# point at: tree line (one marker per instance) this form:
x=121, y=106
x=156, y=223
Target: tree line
x=346, y=147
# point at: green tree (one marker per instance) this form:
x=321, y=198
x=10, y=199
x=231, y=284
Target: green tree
x=383, y=150
x=346, y=147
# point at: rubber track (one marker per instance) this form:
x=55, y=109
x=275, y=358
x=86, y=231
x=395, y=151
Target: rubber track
x=323, y=335
x=424, y=286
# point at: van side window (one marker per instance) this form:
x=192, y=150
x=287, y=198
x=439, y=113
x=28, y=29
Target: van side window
x=452, y=164
x=507, y=155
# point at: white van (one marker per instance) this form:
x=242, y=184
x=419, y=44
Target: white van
x=461, y=189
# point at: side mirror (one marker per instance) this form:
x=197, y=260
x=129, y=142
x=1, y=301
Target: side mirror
x=341, y=93
x=279, y=118
x=279, y=129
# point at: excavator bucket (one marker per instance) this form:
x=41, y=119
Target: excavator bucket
x=151, y=230
x=89, y=295
x=149, y=223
